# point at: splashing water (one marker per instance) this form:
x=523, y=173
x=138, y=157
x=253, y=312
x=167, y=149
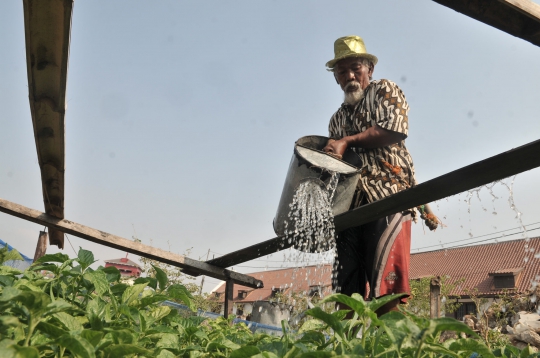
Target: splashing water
x=310, y=227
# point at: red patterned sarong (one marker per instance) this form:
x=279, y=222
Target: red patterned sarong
x=373, y=259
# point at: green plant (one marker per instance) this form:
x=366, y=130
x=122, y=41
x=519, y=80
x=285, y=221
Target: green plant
x=81, y=312
x=175, y=276
x=8, y=255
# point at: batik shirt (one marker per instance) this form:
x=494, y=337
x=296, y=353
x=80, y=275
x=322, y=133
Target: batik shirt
x=386, y=170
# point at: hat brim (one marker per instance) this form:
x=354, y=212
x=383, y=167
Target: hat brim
x=330, y=64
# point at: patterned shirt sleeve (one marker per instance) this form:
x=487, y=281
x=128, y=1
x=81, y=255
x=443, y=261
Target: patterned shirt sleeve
x=333, y=127
x=392, y=109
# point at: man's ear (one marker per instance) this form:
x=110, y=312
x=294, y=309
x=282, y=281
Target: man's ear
x=371, y=69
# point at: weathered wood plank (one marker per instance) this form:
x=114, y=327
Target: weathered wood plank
x=47, y=25
x=520, y=18
x=41, y=247
x=526, y=7
x=189, y=265
x=486, y=171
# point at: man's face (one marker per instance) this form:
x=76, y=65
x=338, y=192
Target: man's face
x=352, y=75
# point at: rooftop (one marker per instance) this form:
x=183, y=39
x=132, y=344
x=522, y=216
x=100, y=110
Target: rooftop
x=123, y=261
x=288, y=280
x=480, y=263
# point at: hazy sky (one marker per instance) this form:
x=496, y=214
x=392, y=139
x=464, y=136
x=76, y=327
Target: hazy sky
x=182, y=116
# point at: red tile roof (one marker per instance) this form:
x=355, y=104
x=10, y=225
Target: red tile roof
x=476, y=263
x=294, y=279
x=123, y=261
x=473, y=263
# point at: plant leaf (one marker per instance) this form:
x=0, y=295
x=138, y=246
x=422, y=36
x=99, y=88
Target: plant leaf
x=145, y=301
x=469, y=346
x=8, y=270
x=77, y=345
x=85, y=258
x=449, y=324
x=112, y=273
x=159, y=313
x=51, y=329
x=377, y=303
x=58, y=257
x=168, y=340
x=152, y=282
x=132, y=293
x=8, y=255
x=327, y=318
x=180, y=292
x=245, y=351
x=99, y=280
x=122, y=350
x=6, y=280
x=161, y=277
x=166, y=354
x=15, y=351
x=357, y=304
x=70, y=323
x=92, y=336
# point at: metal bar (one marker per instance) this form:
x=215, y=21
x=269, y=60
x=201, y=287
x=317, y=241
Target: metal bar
x=190, y=266
x=229, y=287
x=498, y=167
x=520, y=18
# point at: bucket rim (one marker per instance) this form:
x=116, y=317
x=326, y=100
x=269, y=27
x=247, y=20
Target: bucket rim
x=355, y=171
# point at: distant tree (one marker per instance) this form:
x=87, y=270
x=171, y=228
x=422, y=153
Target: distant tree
x=419, y=301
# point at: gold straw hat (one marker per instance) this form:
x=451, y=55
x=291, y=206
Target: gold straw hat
x=350, y=46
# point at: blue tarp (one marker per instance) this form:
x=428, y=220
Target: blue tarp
x=21, y=265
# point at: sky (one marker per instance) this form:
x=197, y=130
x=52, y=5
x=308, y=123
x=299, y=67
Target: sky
x=182, y=116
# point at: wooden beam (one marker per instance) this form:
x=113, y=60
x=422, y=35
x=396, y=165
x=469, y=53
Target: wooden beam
x=484, y=172
x=190, y=266
x=47, y=25
x=520, y=18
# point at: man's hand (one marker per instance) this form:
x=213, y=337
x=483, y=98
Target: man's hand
x=336, y=148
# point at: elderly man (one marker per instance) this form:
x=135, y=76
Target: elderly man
x=372, y=259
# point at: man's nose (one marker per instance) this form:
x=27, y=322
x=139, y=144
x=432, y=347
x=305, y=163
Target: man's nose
x=350, y=76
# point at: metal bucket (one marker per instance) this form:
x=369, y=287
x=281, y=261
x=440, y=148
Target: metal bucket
x=309, y=162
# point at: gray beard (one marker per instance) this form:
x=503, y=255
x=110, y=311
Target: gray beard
x=353, y=98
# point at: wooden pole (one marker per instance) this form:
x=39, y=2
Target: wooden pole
x=498, y=167
x=229, y=287
x=189, y=266
x=41, y=247
x=435, y=297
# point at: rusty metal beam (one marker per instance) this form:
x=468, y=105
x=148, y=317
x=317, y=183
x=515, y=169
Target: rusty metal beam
x=520, y=18
x=480, y=173
x=189, y=266
x=47, y=25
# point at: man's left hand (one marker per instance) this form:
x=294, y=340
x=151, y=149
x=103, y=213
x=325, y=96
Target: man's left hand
x=336, y=147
